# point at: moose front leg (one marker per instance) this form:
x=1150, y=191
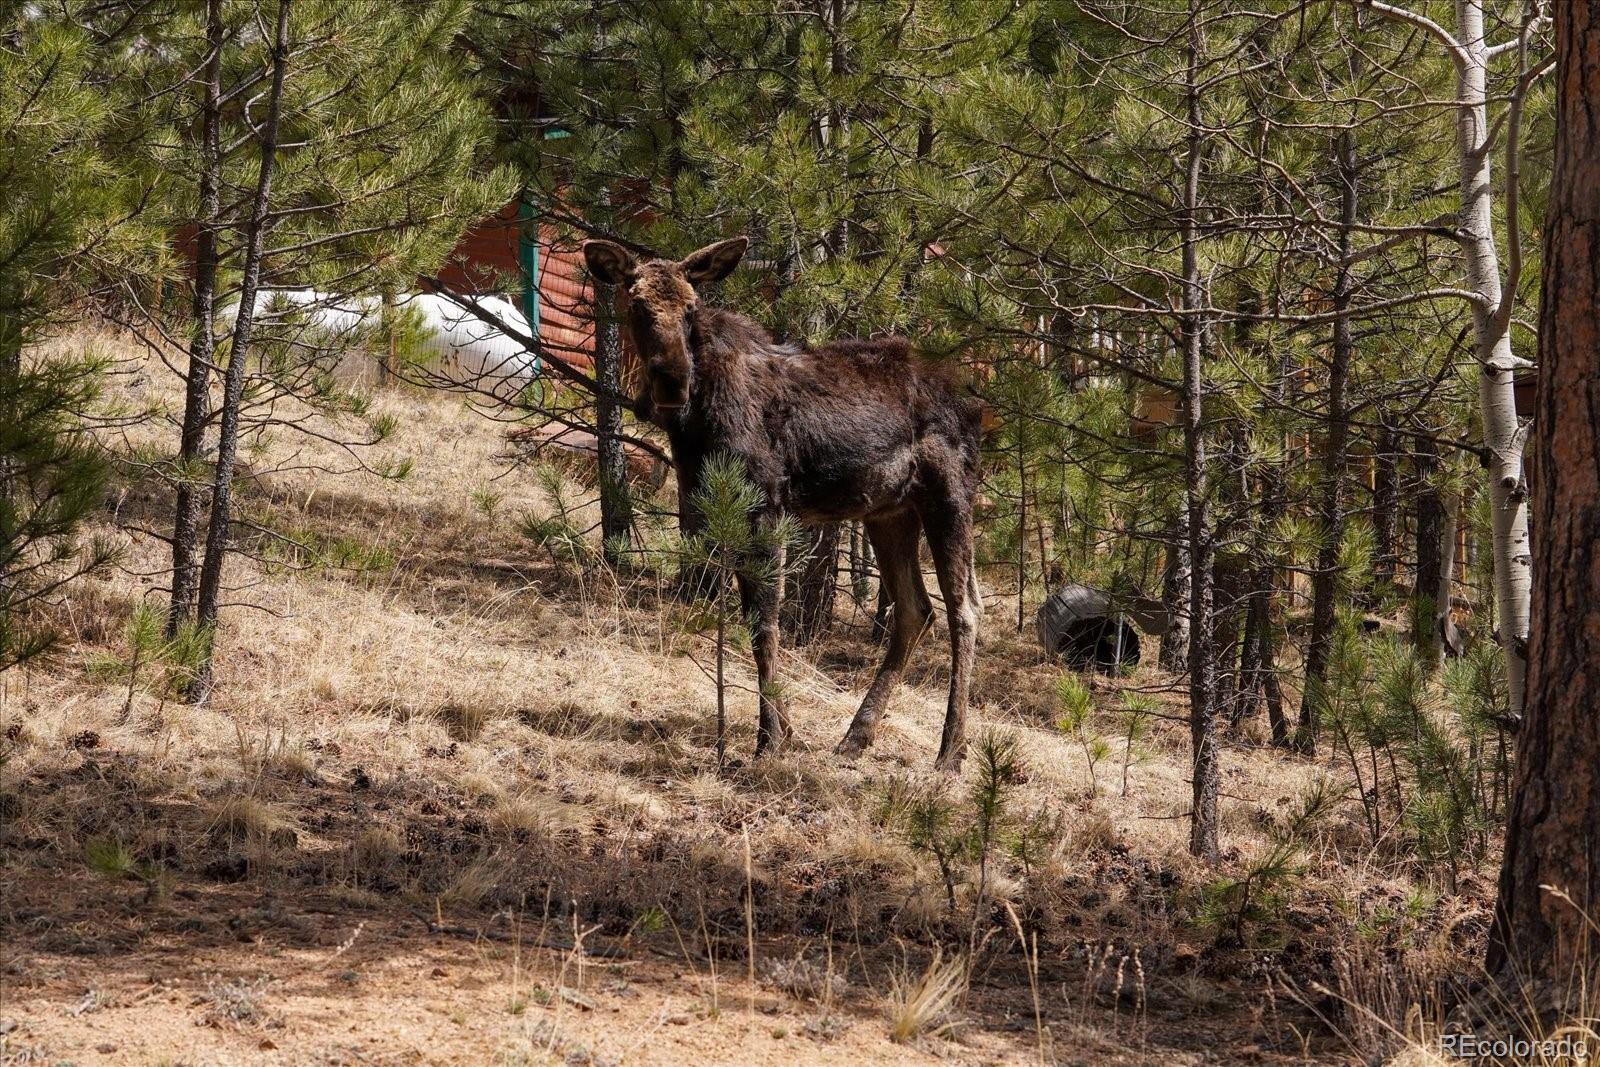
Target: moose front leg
x=759, y=597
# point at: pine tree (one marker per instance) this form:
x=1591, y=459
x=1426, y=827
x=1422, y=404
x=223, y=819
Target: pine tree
x=733, y=549
x=54, y=478
x=68, y=225
x=361, y=161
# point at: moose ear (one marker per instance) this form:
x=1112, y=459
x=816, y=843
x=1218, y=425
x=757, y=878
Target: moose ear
x=609, y=262
x=714, y=262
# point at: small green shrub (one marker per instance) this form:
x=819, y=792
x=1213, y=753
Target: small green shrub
x=1248, y=908
x=154, y=663
x=1077, y=721
x=964, y=834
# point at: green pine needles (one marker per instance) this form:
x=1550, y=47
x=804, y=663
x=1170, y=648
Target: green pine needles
x=737, y=542
x=964, y=835
x=1429, y=756
x=52, y=477
x=155, y=663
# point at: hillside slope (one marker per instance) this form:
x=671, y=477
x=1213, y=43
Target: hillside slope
x=456, y=801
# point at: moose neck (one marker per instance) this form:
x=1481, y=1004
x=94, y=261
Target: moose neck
x=723, y=414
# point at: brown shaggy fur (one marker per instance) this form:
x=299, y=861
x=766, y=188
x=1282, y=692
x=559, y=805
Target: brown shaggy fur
x=848, y=430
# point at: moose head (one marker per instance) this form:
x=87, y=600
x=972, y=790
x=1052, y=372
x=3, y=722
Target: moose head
x=662, y=298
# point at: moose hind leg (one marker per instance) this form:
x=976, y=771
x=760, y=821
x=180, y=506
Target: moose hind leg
x=950, y=537
x=895, y=542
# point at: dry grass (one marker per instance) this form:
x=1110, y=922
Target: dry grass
x=246, y=818
x=478, y=727
x=924, y=1004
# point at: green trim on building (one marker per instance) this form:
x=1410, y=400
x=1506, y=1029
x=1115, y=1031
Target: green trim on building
x=528, y=260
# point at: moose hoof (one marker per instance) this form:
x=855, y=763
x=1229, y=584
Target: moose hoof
x=851, y=747
x=949, y=764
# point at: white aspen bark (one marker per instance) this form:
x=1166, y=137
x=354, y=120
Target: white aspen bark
x=1513, y=580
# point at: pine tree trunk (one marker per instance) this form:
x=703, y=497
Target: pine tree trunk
x=1022, y=531
x=1175, y=585
x=1444, y=628
x=1258, y=670
x=210, y=593
x=189, y=501
x=616, y=507
x=1554, y=822
x=10, y=371
x=816, y=586
x=1335, y=457
x=860, y=563
x=1247, y=694
x=1385, y=516
x=1226, y=646
x=1265, y=591
x=1429, y=523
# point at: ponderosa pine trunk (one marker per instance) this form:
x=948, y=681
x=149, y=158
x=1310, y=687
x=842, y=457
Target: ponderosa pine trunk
x=208, y=604
x=616, y=507
x=1385, y=516
x=1175, y=590
x=1553, y=830
x=816, y=585
x=1429, y=521
x=1448, y=641
x=1258, y=671
x=190, y=496
x=1335, y=457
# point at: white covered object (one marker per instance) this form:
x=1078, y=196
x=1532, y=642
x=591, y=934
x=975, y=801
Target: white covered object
x=462, y=345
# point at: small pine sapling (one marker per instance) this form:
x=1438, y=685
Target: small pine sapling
x=556, y=531
x=177, y=657
x=1138, y=711
x=1240, y=909
x=998, y=768
x=1077, y=721
x=734, y=543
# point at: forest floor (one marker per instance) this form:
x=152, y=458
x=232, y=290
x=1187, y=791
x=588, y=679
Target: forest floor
x=456, y=800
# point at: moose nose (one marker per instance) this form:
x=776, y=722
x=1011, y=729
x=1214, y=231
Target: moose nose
x=669, y=393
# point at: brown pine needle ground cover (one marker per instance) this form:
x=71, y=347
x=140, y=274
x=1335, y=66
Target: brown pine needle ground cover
x=456, y=801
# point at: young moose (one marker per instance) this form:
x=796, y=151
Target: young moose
x=849, y=430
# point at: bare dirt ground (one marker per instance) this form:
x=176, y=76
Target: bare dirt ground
x=456, y=801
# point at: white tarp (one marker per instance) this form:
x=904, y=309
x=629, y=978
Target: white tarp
x=462, y=346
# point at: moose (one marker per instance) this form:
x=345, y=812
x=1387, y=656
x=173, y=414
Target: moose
x=853, y=429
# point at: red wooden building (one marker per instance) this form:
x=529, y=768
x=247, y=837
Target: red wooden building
x=504, y=255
